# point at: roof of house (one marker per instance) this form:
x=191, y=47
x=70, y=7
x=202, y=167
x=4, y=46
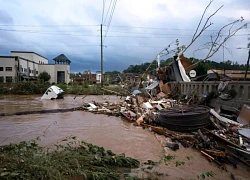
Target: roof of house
x=28, y=52
x=61, y=57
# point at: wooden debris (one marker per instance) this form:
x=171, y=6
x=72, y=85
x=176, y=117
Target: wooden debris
x=213, y=159
x=216, y=153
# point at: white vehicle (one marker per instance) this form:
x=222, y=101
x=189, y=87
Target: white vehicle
x=53, y=92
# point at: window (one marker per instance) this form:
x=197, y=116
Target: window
x=1, y=79
x=32, y=71
x=8, y=78
x=25, y=70
x=8, y=68
x=36, y=72
x=1, y=68
x=22, y=69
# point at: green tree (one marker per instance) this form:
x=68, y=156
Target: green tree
x=44, y=76
x=72, y=75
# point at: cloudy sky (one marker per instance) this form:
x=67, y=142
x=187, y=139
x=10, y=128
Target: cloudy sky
x=139, y=29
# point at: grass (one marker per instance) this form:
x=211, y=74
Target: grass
x=32, y=87
x=81, y=160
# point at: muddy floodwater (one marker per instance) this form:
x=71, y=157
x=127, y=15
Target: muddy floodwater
x=109, y=132
x=112, y=133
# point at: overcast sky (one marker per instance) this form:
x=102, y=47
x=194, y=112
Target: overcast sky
x=139, y=29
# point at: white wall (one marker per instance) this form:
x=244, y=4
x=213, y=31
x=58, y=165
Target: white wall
x=23, y=65
x=98, y=77
x=52, y=70
x=31, y=67
x=49, y=68
x=28, y=56
x=8, y=62
x=31, y=56
x=39, y=59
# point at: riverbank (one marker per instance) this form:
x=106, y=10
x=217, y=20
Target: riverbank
x=29, y=87
x=74, y=160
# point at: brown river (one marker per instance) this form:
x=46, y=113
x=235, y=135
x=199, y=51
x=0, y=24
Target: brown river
x=110, y=132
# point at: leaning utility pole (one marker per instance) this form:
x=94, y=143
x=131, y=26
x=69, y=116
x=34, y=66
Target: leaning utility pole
x=248, y=59
x=101, y=59
x=247, y=65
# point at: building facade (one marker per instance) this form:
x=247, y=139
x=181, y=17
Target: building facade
x=25, y=66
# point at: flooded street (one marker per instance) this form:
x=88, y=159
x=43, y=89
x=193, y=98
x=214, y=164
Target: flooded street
x=110, y=132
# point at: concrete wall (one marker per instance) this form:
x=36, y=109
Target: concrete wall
x=39, y=59
x=8, y=62
x=242, y=89
x=32, y=64
x=31, y=56
x=52, y=70
x=65, y=68
x=23, y=66
x=23, y=55
x=49, y=68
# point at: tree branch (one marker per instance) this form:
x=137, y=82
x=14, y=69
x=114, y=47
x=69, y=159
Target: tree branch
x=205, y=26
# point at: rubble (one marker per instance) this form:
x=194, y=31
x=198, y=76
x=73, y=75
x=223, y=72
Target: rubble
x=210, y=127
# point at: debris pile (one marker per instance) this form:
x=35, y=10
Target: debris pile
x=220, y=139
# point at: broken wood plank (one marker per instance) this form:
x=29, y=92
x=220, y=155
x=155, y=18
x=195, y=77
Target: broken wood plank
x=229, y=142
x=158, y=130
x=213, y=159
x=216, y=153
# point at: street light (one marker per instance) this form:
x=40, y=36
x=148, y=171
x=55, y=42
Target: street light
x=247, y=65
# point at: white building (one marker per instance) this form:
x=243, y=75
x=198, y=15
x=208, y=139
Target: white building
x=22, y=65
x=98, y=77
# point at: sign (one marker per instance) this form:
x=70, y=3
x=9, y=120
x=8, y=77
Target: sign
x=192, y=73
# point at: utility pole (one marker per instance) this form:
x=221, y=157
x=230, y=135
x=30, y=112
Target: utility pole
x=248, y=59
x=101, y=59
x=247, y=65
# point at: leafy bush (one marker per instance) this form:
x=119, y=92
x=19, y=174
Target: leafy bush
x=29, y=87
x=82, y=160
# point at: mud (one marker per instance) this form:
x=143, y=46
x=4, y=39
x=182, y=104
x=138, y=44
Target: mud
x=110, y=132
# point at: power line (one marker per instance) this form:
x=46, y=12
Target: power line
x=37, y=32
x=90, y=45
x=107, y=11
x=103, y=8
x=167, y=33
x=41, y=31
x=114, y=36
x=144, y=27
x=26, y=25
x=170, y=36
x=48, y=45
x=110, y=18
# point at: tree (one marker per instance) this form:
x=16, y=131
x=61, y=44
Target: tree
x=44, y=76
x=72, y=75
x=217, y=40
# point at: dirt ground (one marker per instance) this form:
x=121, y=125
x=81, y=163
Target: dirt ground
x=189, y=163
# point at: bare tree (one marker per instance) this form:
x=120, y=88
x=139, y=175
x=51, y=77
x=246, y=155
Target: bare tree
x=217, y=40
